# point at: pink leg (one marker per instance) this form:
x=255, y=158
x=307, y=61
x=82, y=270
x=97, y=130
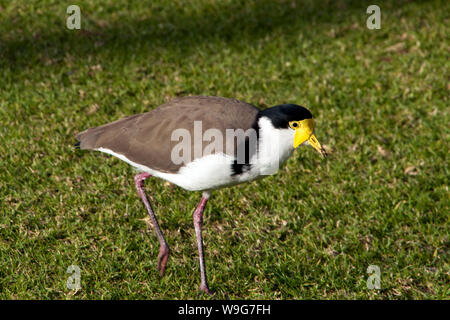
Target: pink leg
x=163, y=246
x=198, y=222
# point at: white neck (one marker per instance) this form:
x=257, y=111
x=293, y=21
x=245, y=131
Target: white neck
x=274, y=148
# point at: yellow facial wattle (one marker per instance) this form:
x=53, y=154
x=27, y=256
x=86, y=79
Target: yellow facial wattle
x=304, y=131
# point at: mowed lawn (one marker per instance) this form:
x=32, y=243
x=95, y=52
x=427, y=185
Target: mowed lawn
x=381, y=103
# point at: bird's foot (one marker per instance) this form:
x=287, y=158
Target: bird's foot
x=205, y=289
x=162, y=259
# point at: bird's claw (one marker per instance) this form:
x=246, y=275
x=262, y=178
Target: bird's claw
x=205, y=289
x=162, y=259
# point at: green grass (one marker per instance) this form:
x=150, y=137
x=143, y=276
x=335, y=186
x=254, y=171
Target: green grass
x=380, y=98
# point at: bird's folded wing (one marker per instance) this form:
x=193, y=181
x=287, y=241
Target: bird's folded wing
x=146, y=138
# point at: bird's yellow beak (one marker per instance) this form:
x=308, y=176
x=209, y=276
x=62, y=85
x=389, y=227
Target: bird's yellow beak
x=304, y=132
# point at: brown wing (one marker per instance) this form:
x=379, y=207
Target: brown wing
x=146, y=138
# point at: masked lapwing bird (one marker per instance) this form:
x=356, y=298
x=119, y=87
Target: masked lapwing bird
x=203, y=144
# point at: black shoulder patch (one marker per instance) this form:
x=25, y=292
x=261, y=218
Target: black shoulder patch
x=240, y=168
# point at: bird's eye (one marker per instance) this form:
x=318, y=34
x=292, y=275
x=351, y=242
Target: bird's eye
x=294, y=124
